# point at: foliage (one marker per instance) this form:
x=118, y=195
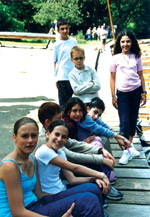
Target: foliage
x=40, y=15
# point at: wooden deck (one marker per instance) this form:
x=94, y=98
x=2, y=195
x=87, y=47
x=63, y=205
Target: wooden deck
x=133, y=179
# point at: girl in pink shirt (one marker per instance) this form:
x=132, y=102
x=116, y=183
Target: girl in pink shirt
x=127, y=87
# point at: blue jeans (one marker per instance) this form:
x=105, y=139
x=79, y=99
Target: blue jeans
x=128, y=109
x=87, y=198
x=64, y=93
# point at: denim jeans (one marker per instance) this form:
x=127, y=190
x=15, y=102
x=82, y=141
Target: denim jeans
x=64, y=93
x=128, y=109
x=87, y=198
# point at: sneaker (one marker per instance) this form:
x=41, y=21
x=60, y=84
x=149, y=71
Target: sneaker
x=105, y=204
x=134, y=152
x=126, y=156
x=114, y=194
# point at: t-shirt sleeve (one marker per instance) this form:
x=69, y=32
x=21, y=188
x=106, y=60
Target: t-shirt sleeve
x=139, y=64
x=112, y=67
x=45, y=155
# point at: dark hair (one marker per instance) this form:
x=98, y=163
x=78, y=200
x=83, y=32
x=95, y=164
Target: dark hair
x=57, y=123
x=47, y=111
x=96, y=103
x=72, y=102
x=135, y=49
x=62, y=22
x=24, y=121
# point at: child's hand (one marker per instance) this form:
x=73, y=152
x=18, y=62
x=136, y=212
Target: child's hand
x=104, y=185
x=109, y=163
x=114, y=102
x=107, y=155
x=68, y=213
x=89, y=139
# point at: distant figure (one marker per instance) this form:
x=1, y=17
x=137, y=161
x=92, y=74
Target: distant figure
x=99, y=32
x=62, y=62
x=103, y=37
x=94, y=33
x=127, y=78
x=89, y=33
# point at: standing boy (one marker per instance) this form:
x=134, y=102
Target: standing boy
x=62, y=62
x=83, y=79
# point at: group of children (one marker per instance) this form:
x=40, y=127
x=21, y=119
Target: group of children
x=72, y=171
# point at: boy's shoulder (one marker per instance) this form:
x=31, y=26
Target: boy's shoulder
x=69, y=40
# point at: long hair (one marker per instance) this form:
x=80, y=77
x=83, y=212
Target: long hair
x=72, y=102
x=135, y=49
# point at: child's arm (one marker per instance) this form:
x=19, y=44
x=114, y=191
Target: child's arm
x=112, y=87
x=82, y=170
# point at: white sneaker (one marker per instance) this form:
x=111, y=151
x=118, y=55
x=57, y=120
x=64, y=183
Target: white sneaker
x=134, y=152
x=126, y=156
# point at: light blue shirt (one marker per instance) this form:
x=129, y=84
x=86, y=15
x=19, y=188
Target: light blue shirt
x=85, y=83
x=62, y=58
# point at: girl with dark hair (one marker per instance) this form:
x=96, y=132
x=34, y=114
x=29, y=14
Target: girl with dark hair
x=127, y=87
x=74, y=111
x=51, y=160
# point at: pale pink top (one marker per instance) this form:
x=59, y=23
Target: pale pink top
x=126, y=68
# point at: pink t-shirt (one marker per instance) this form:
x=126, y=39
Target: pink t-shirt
x=126, y=68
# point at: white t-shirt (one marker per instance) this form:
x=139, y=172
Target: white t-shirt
x=48, y=173
x=62, y=58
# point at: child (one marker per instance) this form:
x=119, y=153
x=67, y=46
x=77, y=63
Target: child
x=93, y=126
x=21, y=193
x=62, y=62
x=128, y=82
x=83, y=79
x=51, y=159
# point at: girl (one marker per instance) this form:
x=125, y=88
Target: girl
x=128, y=82
x=20, y=189
x=51, y=159
x=74, y=114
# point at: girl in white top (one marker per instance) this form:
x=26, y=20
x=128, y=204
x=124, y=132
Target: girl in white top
x=127, y=86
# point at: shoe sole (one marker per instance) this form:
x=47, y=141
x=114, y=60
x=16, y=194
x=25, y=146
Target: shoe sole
x=127, y=162
x=114, y=198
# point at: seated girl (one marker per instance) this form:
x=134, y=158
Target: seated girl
x=21, y=193
x=51, y=159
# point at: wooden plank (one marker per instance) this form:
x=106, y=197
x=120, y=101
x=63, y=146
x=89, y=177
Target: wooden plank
x=132, y=173
x=132, y=184
x=135, y=163
x=29, y=35
x=127, y=210
x=118, y=154
x=134, y=197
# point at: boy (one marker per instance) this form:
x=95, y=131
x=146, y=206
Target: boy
x=62, y=62
x=83, y=79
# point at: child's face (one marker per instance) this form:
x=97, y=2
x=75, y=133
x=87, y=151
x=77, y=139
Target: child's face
x=95, y=113
x=64, y=31
x=26, y=138
x=78, y=59
x=58, y=137
x=57, y=117
x=125, y=44
x=76, y=113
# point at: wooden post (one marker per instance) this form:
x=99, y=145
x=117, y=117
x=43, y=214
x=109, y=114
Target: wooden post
x=110, y=17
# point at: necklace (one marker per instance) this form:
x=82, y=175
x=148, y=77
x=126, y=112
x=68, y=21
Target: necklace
x=126, y=59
